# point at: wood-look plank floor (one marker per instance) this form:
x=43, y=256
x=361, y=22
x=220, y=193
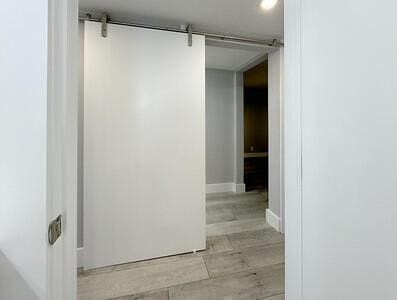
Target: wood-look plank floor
x=244, y=259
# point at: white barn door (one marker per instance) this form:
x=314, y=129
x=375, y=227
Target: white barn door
x=144, y=144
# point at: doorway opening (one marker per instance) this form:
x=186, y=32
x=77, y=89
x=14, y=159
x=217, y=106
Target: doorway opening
x=238, y=242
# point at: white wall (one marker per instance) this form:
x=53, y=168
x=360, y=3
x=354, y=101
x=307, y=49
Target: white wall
x=220, y=132
x=239, y=128
x=275, y=68
x=348, y=109
x=23, y=147
x=224, y=131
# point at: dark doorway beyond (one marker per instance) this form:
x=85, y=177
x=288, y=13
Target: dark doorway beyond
x=256, y=127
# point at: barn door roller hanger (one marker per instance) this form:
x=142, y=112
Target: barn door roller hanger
x=187, y=29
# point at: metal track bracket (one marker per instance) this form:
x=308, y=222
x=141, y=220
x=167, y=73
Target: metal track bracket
x=189, y=30
x=104, y=30
x=276, y=43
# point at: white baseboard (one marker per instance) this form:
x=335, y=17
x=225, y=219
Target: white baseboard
x=273, y=220
x=80, y=257
x=220, y=188
x=225, y=187
x=239, y=188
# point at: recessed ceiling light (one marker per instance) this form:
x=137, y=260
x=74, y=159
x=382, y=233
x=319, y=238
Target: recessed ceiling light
x=268, y=4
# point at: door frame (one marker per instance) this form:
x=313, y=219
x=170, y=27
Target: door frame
x=292, y=142
x=62, y=146
x=293, y=151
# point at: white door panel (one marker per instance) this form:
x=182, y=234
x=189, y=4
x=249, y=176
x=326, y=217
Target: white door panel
x=144, y=159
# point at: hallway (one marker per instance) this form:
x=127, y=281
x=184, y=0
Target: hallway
x=244, y=260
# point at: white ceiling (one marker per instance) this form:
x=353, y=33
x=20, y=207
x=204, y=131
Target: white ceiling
x=227, y=59
x=234, y=56
x=232, y=17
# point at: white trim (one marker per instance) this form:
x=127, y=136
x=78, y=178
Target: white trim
x=239, y=188
x=62, y=33
x=282, y=141
x=219, y=188
x=80, y=257
x=273, y=220
x=225, y=187
x=238, y=127
x=293, y=151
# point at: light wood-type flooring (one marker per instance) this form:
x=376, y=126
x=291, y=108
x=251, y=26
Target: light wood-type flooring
x=244, y=260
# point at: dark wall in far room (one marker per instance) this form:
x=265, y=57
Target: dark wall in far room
x=255, y=120
x=256, y=127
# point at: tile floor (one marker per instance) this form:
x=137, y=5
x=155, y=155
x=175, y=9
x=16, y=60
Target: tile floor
x=244, y=260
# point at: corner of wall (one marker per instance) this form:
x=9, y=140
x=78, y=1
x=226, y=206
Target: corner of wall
x=239, y=128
